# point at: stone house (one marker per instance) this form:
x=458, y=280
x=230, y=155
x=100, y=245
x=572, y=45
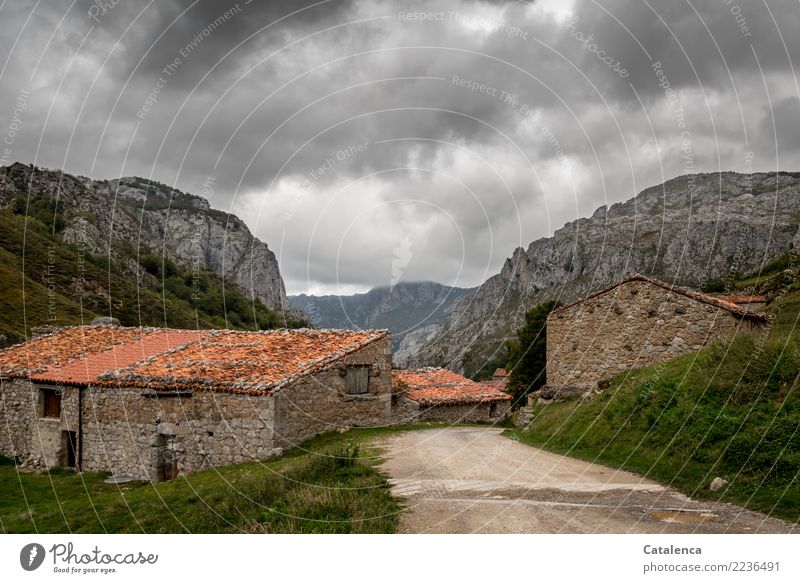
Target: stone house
x=635, y=322
x=152, y=403
x=428, y=394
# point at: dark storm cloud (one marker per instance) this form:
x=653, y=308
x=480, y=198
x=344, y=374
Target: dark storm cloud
x=439, y=142
x=700, y=44
x=239, y=26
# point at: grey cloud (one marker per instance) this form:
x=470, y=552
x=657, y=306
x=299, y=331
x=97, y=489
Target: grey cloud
x=591, y=141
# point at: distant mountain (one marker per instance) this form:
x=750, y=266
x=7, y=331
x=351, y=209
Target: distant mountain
x=696, y=230
x=135, y=249
x=407, y=309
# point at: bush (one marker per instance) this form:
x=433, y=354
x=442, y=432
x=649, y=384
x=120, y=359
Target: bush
x=527, y=355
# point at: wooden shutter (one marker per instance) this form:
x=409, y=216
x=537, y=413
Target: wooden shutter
x=52, y=404
x=357, y=380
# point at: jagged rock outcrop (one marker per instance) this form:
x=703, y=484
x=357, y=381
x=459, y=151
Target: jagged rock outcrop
x=128, y=216
x=692, y=230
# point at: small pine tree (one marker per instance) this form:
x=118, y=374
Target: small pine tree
x=527, y=355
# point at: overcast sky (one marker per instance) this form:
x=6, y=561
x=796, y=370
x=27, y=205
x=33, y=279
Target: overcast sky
x=369, y=142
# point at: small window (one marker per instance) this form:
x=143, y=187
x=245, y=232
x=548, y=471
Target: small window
x=51, y=403
x=356, y=380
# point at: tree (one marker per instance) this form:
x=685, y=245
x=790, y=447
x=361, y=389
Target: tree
x=527, y=355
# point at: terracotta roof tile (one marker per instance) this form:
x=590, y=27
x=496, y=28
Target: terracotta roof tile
x=62, y=347
x=500, y=372
x=85, y=369
x=167, y=359
x=695, y=295
x=438, y=386
x=242, y=362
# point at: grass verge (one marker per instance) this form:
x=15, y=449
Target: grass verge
x=731, y=410
x=330, y=484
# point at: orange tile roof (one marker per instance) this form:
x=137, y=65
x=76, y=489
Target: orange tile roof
x=438, y=386
x=86, y=368
x=242, y=362
x=500, y=372
x=62, y=347
x=695, y=295
x=167, y=359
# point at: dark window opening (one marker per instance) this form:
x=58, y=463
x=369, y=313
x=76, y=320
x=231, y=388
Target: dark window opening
x=51, y=403
x=357, y=380
x=492, y=409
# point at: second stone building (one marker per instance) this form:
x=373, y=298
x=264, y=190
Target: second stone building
x=636, y=322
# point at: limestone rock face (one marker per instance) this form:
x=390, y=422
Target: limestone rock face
x=127, y=215
x=691, y=230
x=412, y=343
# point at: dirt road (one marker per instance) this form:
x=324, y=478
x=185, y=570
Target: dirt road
x=472, y=479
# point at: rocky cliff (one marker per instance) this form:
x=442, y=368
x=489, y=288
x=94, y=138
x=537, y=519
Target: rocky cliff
x=130, y=216
x=695, y=230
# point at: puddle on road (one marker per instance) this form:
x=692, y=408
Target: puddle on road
x=673, y=516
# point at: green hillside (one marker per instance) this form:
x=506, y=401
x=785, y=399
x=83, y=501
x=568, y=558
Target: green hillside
x=44, y=281
x=731, y=410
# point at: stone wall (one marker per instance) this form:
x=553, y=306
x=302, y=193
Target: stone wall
x=16, y=418
x=25, y=433
x=124, y=429
x=318, y=403
x=635, y=324
x=404, y=410
x=477, y=412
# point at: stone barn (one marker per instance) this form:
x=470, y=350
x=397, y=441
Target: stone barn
x=636, y=322
x=151, y=403
x=427, y=394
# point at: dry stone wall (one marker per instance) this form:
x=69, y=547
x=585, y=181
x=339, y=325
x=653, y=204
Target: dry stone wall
x=126, y=430
x=17, y=416
x=28, y=436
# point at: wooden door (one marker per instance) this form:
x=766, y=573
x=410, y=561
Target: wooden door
x=169, y=460
x=70, y=442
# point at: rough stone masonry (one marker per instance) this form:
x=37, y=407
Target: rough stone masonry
x=636, y=322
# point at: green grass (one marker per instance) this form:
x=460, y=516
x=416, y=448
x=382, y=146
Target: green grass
x=767, y=272
x=731, y=410
x=328, y=485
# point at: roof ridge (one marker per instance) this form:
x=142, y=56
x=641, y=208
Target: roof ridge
x=690, y=293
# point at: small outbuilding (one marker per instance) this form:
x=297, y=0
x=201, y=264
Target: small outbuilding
x=439, y=394
x=636, y=322
x=151, y=403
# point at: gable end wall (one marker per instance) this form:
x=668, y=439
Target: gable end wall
x=632, y=325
